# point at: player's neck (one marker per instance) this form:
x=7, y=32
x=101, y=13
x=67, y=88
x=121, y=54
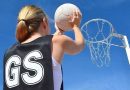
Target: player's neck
x=32, y=38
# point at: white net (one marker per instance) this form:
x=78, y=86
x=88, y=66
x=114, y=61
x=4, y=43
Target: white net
x=98, y=35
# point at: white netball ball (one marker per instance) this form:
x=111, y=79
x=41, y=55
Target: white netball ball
x=62, y=13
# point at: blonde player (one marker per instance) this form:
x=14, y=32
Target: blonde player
x=34, y=62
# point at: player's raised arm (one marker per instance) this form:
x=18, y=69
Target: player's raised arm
x=73, y=46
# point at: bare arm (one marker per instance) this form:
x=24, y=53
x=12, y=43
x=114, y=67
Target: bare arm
x=64, y=44
x=74, y=46
x=70, y=46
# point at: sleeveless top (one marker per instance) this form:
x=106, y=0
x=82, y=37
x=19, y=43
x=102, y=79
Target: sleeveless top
x=29, y=66
x=57, y=74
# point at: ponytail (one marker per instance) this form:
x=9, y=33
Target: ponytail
x=29, y=20
x=22, y=32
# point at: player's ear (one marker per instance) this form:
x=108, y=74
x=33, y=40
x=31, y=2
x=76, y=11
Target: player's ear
x=44, y=23
x=45, y=26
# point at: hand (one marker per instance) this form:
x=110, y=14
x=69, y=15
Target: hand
x=57, y=28
x=75, y=19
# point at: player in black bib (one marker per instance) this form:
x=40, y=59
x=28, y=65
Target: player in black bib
x=28, y=64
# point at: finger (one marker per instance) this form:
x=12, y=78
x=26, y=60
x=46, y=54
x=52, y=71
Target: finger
x=70, y=17
x=73, y=16
x=57, y=28
x=77, y=13
x=74, y=13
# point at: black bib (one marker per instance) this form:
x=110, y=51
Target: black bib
x=29, y=66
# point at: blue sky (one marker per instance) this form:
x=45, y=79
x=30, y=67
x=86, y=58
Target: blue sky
x=79, y=72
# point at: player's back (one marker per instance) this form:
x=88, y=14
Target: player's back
x=29, y=66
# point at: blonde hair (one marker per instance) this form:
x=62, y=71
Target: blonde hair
x=29, y=20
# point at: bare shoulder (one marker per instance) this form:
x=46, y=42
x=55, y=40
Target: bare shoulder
x=60, y=38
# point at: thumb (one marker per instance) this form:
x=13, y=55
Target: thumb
x=57, y=27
